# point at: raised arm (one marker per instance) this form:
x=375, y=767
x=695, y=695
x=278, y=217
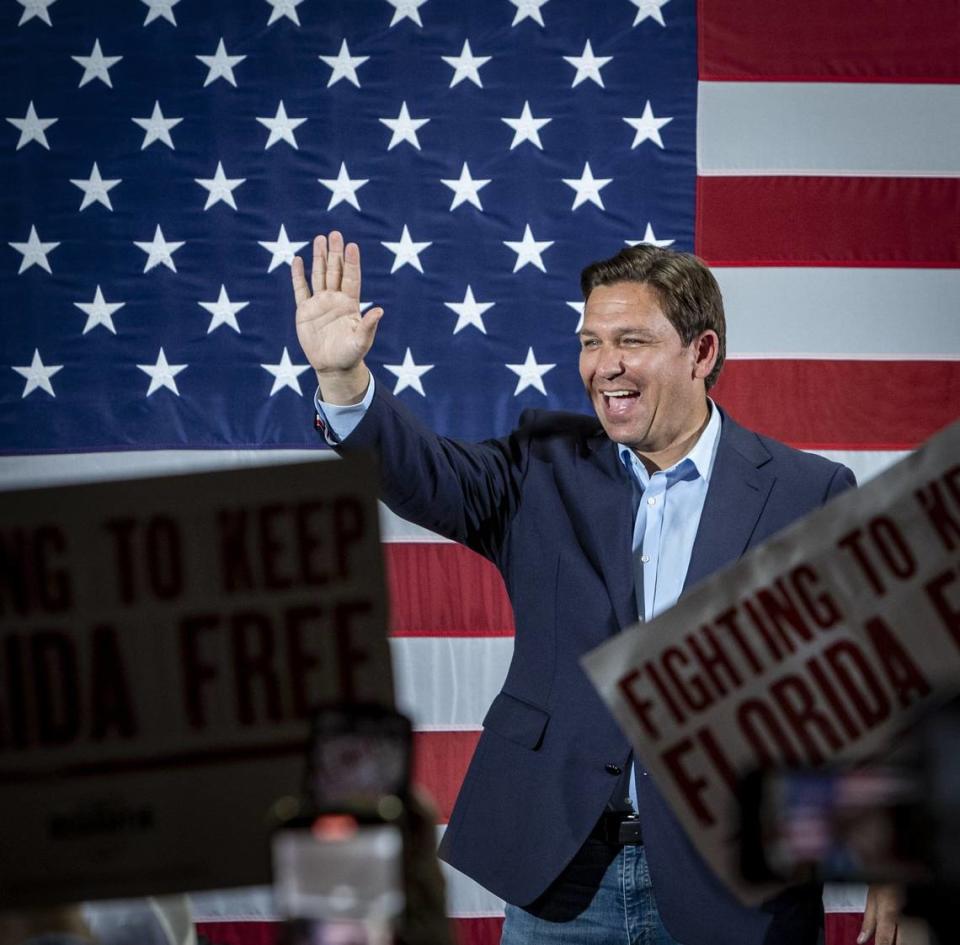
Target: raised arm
x=334, y=336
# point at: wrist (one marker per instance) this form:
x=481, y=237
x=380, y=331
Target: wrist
x=343, y=388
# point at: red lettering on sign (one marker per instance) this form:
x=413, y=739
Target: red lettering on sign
x=691, y=787
x=254, y=666
x=903, y=674
x=948, y=611
x=937, y=507
x=807, y=720
x=32, y=578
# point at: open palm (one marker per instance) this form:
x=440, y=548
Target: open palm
x=333, y=334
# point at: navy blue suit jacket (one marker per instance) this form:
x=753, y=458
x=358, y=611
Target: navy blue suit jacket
x=550, y=505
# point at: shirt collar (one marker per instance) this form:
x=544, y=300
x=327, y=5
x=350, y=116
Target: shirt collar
x=701, y=456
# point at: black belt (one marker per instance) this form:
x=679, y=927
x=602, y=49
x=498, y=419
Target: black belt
x=618, y=828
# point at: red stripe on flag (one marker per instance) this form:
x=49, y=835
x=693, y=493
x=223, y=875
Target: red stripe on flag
x=859, y=405
x=852, y=41
x=440, y=762
x=484, y=931
x=443, y=588
x=824, y=221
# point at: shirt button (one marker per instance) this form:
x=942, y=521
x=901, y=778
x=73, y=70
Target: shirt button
x=645, y=558
x=651, y=501
x=611, y=768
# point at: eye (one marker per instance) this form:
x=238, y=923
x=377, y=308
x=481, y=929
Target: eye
x=589, y=343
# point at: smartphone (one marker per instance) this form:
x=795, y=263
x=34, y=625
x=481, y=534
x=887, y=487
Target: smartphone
x=865, y=824
x=338, y=854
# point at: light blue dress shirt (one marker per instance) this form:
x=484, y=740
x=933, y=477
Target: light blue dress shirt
x=667, y=508
x=341, y=421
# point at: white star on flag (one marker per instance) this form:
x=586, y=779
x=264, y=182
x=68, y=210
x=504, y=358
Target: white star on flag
x=281, y=128
x=344, y=65
x=530, y=374
x=406, y=9
x=96, y=189
x=469, y=312
x=36, y=8
x=32, y=128
x=526, y=127
x=343, y=188
x=466, y=65
x=404, y=128
x=220, y=65
x=406, y=252
x=529, y=250
x=34, y=252
x=408, y=374
x=37, y=374
x=588, y=66
x=219, y=187
x=528, y=8
x=465, y=189
x=587, y=187
x=157, y=128
x=649, y=237
x=647, y=126
x=281, y=8
x=99, y=312
x=649, y=8
x=160, y=8
x=162, y=374
x=159, y=251
x=578, y=308
x=282, y=249
x=286, y=373
x=224, y=311
x=96, y=66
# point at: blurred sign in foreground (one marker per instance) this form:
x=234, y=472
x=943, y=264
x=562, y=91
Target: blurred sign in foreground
x=161, y=643
x=817, y=647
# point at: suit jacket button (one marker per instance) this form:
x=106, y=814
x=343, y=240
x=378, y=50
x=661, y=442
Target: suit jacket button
x=611, y=768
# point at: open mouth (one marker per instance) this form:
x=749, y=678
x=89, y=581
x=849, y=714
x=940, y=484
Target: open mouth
x=619, y=403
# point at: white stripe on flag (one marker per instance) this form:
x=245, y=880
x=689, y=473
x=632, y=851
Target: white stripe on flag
x=446, y=683
x=827, y=128
x=841, y=312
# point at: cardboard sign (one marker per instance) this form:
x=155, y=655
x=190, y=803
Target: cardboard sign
x=815, y=648
x=161, y=644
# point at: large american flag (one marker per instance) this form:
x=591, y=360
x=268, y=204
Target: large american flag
x=162, y=161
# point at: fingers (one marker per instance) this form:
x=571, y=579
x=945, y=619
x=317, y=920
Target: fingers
x=301, y=291
x=319, y=272
x=334, y=261
x=351, y=271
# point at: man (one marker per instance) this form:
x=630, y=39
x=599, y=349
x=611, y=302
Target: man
x=592, y=522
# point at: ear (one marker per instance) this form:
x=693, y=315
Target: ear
x=705, y=348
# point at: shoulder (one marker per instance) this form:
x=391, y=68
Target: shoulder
x=786, y=461
x=549, y=431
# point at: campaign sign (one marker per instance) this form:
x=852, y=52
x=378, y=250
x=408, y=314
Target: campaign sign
x=817, y=647
x=162, y=642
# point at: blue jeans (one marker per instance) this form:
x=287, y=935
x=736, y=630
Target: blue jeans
x=604, y=897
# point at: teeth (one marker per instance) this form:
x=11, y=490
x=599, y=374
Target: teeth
x=619, y=393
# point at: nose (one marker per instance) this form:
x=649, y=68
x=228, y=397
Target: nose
x=610, y=365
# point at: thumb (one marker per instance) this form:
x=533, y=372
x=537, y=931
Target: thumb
x=368, y=324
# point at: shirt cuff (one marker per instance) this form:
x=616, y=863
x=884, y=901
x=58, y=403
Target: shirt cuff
x=335, y=421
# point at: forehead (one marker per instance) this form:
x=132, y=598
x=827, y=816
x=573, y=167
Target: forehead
x=624, y=305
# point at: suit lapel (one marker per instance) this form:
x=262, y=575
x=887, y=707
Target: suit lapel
x=739, y=486
x=606, y=522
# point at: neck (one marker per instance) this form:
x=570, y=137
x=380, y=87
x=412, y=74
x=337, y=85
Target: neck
x=655, y=460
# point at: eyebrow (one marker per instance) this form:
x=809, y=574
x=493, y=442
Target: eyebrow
x=619, y=333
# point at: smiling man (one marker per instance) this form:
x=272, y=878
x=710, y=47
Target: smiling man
x=593, y=525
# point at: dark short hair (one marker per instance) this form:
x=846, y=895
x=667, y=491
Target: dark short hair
x=687, y=290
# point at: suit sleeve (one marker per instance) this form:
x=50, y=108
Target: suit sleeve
x=468, y=492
